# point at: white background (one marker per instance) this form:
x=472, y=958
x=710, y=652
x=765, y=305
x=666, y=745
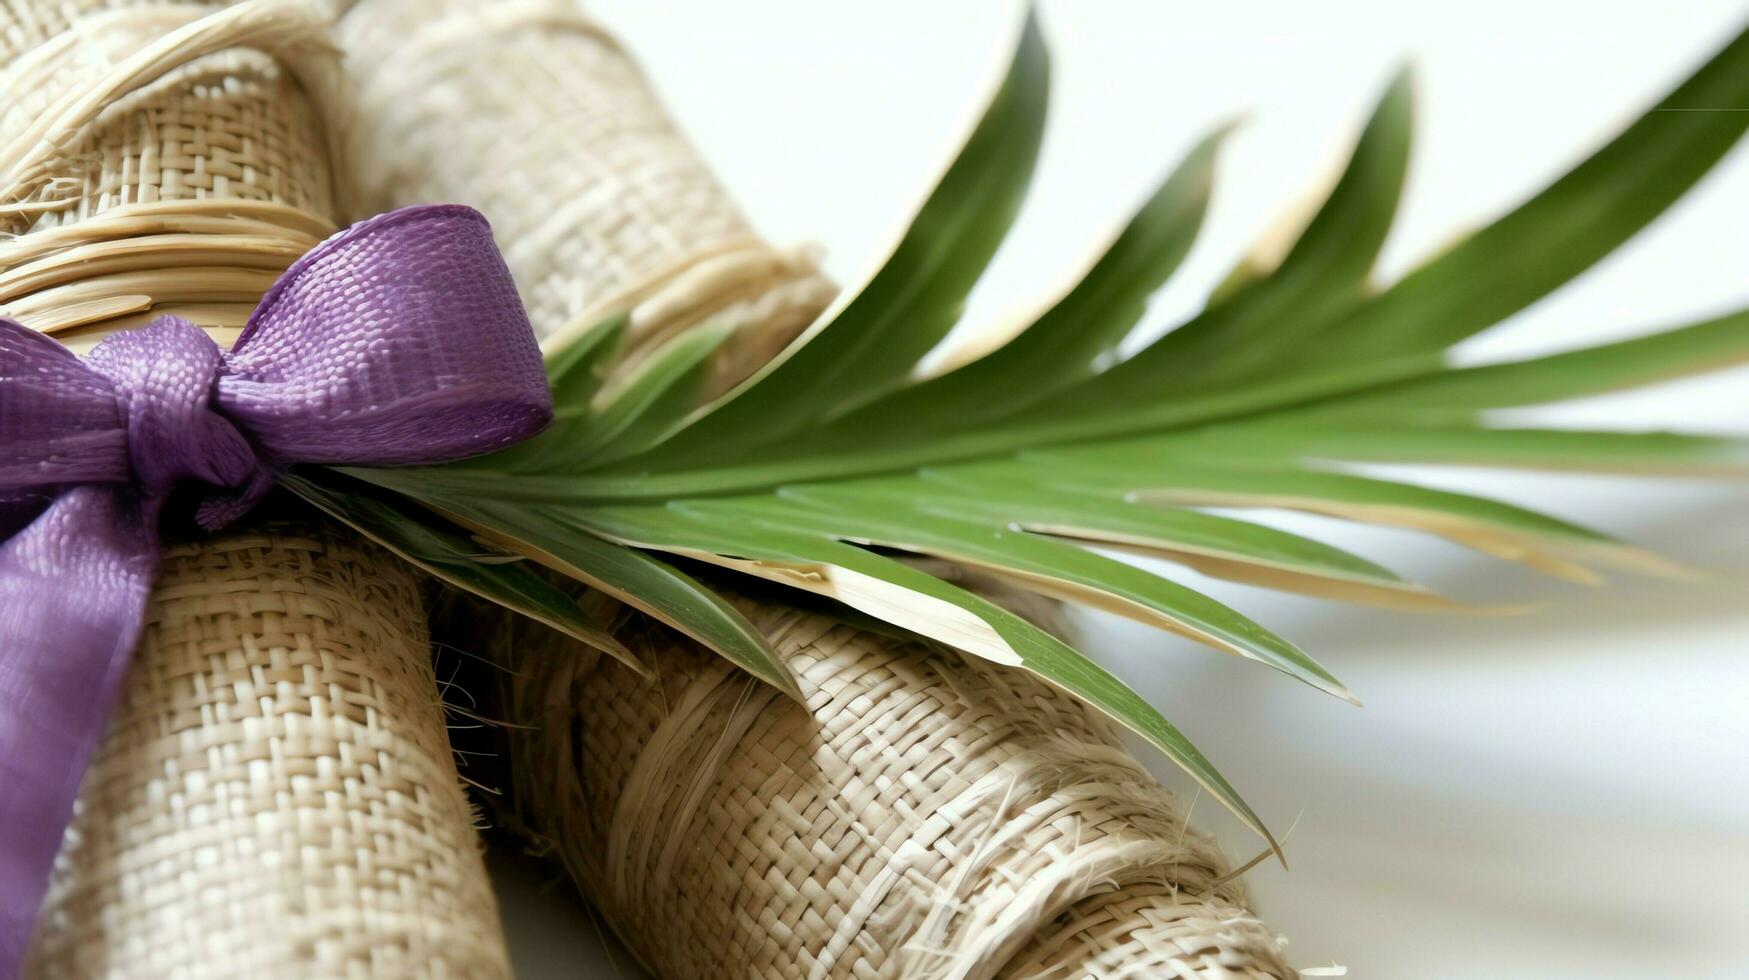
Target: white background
x=1564, y=794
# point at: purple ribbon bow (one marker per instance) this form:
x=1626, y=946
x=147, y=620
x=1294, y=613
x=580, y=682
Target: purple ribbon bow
x=398, y=341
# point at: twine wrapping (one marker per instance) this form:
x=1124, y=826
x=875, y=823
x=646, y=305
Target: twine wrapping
x=925, y=814
x=275, y=795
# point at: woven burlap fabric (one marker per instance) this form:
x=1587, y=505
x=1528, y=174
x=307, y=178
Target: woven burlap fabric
x=531, y=111
x=924, y=814
x=276, y=795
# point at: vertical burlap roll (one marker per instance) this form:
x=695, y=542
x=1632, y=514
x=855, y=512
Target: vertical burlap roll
x=924, y=814
x=276, y=794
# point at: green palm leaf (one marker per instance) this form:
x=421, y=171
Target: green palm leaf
x=1706, y=346
x=424, y=540
x=1013, y=463
x=853, y=513
x=1296, y=441
x=875, y=338
x=1219, y=546
x=635, y=578
x=1326, y=273
x=1570, y=225
x=907, y=597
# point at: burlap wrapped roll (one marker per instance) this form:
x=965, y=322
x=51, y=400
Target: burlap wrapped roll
x=276, y=794
x=598, y=202
x=925, y=814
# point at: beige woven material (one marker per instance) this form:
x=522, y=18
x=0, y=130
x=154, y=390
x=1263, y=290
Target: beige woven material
x=926, y=814
x=528, y=110
x=276, y=795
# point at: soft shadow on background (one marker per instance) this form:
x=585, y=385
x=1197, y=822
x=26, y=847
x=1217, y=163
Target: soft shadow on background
x=1549, y=795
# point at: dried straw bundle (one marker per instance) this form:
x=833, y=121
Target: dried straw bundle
x=923, y=815
x=276, y=794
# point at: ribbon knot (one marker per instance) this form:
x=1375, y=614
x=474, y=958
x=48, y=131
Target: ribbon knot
x=397, y=341
x=165, y=377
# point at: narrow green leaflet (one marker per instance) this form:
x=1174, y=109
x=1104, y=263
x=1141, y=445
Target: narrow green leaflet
x=1041, y=564
x=1344, y=239
x=1457, y=394
x=1326, y=272
x=1290, y=441
x=1342, y=243
x=1219, y=546
x=577, y=368
x=645, y=404
x=421, y=539
x=1566, y=228
x=916, y=601
x=1158, y=472
x=876, y=338
x=635, y=578
x=495, y=478
x=1080, y=334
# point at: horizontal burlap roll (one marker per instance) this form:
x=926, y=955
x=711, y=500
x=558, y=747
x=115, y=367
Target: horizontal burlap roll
x=925, y=814
x=276, y=794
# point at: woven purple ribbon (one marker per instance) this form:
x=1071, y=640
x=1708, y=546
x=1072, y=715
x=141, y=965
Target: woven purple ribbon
x=398, y=341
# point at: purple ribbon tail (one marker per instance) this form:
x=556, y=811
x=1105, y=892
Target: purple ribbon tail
x=73, y=591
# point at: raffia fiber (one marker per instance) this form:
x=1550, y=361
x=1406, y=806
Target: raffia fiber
x=275, y=795
x=925, y=814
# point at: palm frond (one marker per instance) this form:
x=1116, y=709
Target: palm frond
x=811, y=472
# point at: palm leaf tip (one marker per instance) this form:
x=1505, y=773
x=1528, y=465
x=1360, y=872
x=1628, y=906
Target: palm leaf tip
x=1571, y=224
x=870, y=342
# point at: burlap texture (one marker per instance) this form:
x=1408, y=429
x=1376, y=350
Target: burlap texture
x=276, y=795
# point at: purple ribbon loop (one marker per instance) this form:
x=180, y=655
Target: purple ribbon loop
x=400, y=340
